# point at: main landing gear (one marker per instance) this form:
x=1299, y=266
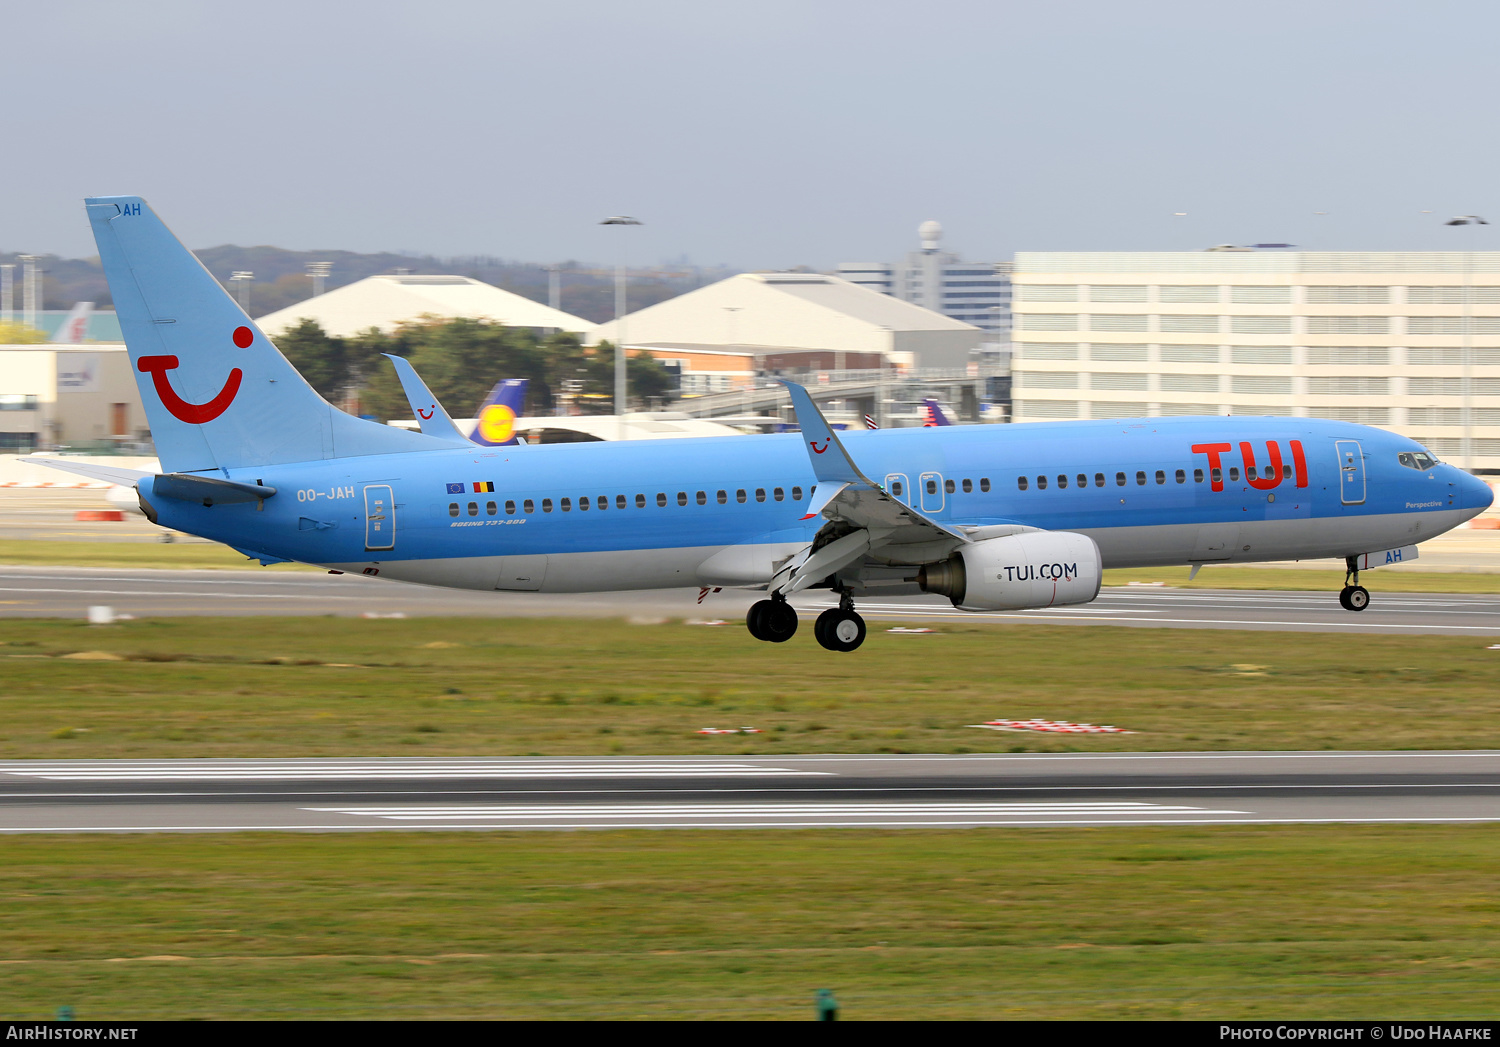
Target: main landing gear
x=838, y=628
x=1353, y=597
x=772, y=620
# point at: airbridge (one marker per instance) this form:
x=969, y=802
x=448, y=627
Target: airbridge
x=875, y=392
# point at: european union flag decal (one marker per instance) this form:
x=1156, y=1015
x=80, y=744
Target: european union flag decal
x=455, y=488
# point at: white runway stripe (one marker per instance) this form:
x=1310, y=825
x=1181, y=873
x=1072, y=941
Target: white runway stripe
x=375, y=771
x=595, y=812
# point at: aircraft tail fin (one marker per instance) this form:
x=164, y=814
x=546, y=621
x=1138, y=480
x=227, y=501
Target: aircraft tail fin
x=430, y=414
x=75, y=325
x=217, y=393
x=497, y=415
x=932, y=414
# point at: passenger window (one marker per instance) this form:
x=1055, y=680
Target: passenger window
x=661, y=499
x=489, y=508
x=565, y=504
x=1041, y=483
x=640, y=501
x=777, y=494
x=1217, y=474
x=948, y=486
x=739, y=496
x=796, y=494
x=1119, y=479
x=1098, y=479
x=510, y=508
x=546, y=505
x=583, y=504
x=932, y=487
x=723, y=497
x=528, y=506
x=1062, y=481
x=682, y=498
x=1234, y=473
x=604, y=501
x=1022, y=483
x=702, y=497
x=453, y=509
x=620, y=501
x=760, y=494
x=1181, y=477
x=1286, y=472
x=1083, y=480
x=473, y=508
x=984, y=483
x=1197, y=476
x=1140, y=479
x=1161, y=477
x=896, y=488
x=968, y=486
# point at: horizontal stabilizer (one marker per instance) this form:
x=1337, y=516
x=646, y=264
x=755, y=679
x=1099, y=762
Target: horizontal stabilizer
x=110, y=474
x=185, y=487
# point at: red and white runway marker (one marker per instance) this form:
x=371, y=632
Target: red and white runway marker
x=1050, y=726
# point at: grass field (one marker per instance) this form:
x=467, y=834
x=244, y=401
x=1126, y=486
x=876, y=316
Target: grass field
x=1209, y=923
x=268, y=687
x=182, y=555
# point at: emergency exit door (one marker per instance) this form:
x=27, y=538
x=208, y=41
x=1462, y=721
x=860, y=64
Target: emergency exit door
x=380, y=518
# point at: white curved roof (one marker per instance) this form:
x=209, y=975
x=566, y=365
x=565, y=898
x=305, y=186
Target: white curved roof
x=387, y=301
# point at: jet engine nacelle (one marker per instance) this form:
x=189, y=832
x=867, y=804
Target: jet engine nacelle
x=1034, y=569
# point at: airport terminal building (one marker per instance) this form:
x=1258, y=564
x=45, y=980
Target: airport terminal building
x=1404, y=340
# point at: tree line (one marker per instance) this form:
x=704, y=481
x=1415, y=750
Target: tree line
x=460, y=360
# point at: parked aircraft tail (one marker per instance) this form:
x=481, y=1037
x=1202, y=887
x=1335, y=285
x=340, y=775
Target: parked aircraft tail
x=75, y=325
x=217, y=393
x=932, y=414
x=497, y=415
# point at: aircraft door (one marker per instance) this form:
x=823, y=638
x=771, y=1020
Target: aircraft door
x=1351, y=472
x=932, y=492
x=897, y=487
x=380, y=518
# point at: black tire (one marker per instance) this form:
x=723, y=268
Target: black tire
x=1359, y=598
x=823, y=623
x=755, y=619
x=844, y=630
x=1344, y=597
x=779, y=622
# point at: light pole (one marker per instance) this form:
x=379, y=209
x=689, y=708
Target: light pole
x=1466, y=412
x=554, y=285
x=620, y=219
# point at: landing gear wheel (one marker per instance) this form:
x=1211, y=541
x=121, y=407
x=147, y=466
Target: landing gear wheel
x=1359, y=598
x=839, y=630
x=771, y=620
x=1344, y=597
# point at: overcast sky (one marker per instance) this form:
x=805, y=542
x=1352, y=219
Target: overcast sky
x=760, y=133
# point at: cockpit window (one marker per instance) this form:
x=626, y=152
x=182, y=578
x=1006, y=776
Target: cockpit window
x=1416, y=459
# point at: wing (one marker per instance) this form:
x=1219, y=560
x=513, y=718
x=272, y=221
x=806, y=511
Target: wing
x=864, y=521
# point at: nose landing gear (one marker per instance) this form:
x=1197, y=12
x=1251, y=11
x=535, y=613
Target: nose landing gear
x=1353, y=597
x=840, y=628
x=772, y=620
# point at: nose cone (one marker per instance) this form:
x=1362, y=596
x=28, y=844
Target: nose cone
x=1475, y=494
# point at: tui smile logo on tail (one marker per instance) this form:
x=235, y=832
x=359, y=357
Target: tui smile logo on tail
x=194, y=414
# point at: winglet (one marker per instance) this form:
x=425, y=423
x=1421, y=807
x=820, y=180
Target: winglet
x=831, y=464
x=430, y=414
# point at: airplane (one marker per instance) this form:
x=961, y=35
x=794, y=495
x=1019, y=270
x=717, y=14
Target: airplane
x=994, y=517
x=74, y=328
x=496, y=421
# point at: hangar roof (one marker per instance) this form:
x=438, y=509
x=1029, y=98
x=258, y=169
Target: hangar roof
x=386, y=301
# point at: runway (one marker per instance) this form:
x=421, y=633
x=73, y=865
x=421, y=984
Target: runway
x=67, y=592
x=1011, y=790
